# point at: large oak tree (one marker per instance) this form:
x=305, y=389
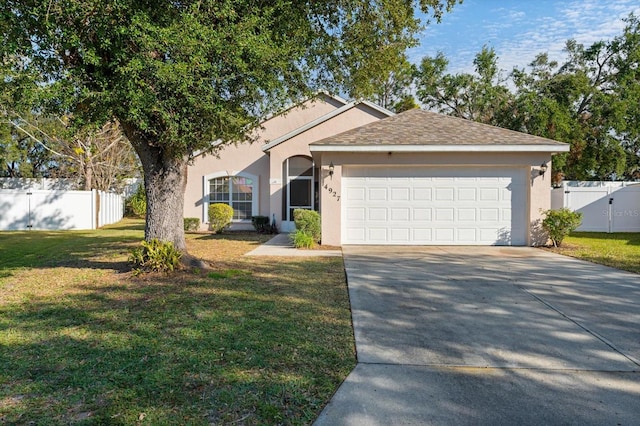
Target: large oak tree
x=179, y=75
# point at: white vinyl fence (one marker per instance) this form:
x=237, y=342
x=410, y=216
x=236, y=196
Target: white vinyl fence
x=605, y=206
x=129, y=185
x=39, y=184
x=58, y=209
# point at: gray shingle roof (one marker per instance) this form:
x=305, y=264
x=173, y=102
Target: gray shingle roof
x=417, y=127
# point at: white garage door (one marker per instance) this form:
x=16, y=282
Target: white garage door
x=436, y=205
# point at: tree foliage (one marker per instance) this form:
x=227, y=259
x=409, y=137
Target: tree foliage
x=481, y=96
x=179, y=75
x=393, y=90
x=37, y=146
x=23, y=154
x=591, y=100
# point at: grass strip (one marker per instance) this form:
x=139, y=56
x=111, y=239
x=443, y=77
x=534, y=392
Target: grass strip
x=619, y=250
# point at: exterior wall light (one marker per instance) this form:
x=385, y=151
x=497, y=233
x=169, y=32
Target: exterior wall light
x=331, y=167
x=543, y=169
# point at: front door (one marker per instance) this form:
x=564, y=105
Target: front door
x=299, y=176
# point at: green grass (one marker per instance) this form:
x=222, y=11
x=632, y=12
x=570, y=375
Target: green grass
x=254, y=341
x=618, y=250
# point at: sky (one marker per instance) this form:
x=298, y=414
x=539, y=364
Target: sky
x=518, y=30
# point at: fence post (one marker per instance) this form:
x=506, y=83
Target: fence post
x=610, y=204
x=29, y=224
x=94, y=208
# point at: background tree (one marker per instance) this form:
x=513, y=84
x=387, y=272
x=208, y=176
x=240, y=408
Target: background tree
x=23, y=156
x=37, y=146
x=481, y=96
x=393, y=91
x=627, y=79
x=591, y=101
x=179, y=75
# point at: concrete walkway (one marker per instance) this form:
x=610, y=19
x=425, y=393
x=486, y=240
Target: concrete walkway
x=280, y=245
x=488, y=336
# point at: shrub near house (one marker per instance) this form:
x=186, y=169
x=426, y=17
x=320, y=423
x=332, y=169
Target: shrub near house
x=307, y=233
x=220, y=216
x=559, y=223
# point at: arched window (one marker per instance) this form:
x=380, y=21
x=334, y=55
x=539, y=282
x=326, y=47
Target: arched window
x=239, y=191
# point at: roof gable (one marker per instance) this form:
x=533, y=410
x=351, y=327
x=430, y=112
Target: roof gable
x=336, y=101
x=323, y=119
x=419, y=130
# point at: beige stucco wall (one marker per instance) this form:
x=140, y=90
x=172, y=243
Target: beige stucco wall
x=249, y=158
x=299, y=145
x=331, y=206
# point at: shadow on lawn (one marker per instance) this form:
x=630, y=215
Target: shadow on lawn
x=234, y=236
x=195, y=350
x=107, y=248
x=127, y=225
x=65, y=249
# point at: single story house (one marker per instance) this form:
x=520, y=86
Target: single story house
x=415, y=178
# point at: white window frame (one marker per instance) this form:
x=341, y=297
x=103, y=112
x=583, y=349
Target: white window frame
x=291, y=178
x=255, y=189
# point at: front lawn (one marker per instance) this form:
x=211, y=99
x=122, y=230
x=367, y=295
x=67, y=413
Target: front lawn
x=619, y=250
x=256, y=341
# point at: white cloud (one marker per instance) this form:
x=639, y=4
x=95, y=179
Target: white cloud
x=520, y=30
x=585, y=21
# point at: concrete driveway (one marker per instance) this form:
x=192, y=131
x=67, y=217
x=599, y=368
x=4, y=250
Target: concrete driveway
x=486, y=336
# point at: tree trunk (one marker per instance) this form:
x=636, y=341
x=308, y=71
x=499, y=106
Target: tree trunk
x=88, y=175
x=165, y=186
x=165, y=180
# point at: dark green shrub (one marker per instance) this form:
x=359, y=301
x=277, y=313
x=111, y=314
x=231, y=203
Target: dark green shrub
x=156, y=256
x=301, y=239
x=308, y=221
x=136, y=204
x=261, y=224
x=191, y=224
x=220, y=216
x=559, y=223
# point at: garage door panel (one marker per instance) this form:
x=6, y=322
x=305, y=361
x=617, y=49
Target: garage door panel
x=356, y=194
x=377, y=214
x=467, y=235
x=357, y=235
x=444, y=235
x=445, y=194
x=377, y=194
x=400, y=194
x=489, y=215
x=445, y=205
x=377, y=235
x=422, y=235
x=421, y=193
x=402, y=214
x=466, y=215
x=400, y=235
x=489, y=194
x=467, y=194
x=356, y=214
x=422, y=214
x=444, y=215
